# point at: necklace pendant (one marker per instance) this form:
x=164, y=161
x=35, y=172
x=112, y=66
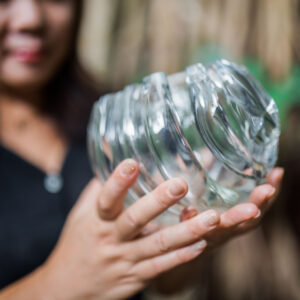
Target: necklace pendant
x=53, y=183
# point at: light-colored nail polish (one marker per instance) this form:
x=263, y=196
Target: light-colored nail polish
x=257, y=215
x=176, y=188
x=280, y=173
x=271, y=192
x=128, y=168
x=199, y=246
x=209, y=218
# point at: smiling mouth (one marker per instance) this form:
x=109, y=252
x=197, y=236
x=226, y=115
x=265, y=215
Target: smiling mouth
x=29, y=56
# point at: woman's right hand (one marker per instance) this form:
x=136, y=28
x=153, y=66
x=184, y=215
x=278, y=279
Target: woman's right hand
x=110, y=253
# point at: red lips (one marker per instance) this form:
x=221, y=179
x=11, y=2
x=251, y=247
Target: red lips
x=28, y=55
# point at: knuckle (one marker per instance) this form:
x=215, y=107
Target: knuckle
x=161, y=198
x=157, y=267
x=110, y=254
x=117, y=186
x=162, y=244
x=128, y=279
x=163, y=202
x=183, y=255
x=104, y=206
x=131, y=219
x=194, y=231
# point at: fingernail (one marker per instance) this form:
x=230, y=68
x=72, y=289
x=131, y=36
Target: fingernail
x=209, y=218
x=271, y=192
x=280, y=173
x=128, y=168
x=197, y=247
x=258, y=214
x=188, y=213
x=176, y=188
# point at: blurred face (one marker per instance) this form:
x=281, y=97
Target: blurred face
x=35, y=37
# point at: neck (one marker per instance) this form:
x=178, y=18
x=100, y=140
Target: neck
x=31, y=134
x=17, y=110
x=27, y=98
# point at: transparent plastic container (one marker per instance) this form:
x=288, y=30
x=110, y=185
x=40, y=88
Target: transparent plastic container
x=213, y=126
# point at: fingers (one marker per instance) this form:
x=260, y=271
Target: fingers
x=150, y=228
x=261, y=196
x=239, y=214
x=150, y=268
x=188, y=213
x=87, y=201
x=110, y=203
x=230, y=222
x=275, y=177
x=134, y=218
x=175, y=236
x=90, y=193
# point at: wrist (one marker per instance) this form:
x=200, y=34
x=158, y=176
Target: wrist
x=37, y=285
x=52, y=285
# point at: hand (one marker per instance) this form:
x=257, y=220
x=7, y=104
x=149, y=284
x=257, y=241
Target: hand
x=246, y=216
x=235, y=221
x=108, y=252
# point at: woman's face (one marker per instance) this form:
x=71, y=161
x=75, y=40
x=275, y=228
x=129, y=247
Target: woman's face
x=35, y=37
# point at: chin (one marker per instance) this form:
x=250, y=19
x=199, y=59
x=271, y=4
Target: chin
x=22, y=80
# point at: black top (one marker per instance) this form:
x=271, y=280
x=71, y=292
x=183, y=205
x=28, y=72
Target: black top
x=31, y=218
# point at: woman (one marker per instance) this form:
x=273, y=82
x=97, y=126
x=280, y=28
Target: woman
x=103, y=250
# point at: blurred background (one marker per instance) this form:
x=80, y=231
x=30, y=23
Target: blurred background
x=121, y=41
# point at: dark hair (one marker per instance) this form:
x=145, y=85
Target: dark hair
x=70, y=94
x=290, y=160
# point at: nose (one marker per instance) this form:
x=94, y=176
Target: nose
x=26, y=15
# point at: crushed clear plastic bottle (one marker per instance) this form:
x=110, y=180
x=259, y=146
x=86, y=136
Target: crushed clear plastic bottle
x=213, y=126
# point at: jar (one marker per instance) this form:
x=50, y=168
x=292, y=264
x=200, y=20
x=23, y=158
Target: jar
x=214, y=126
